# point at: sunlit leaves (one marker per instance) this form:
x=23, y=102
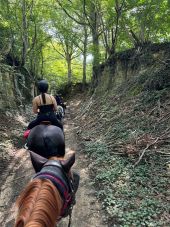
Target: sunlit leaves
x=140, y=21
x=147, y=19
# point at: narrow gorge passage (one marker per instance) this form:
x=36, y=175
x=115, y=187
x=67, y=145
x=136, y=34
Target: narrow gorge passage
x=18, y=171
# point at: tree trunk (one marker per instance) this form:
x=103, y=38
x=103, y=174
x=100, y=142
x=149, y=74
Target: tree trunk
x=42, y=63
x=96, y=60
x=84, y=57
x=24, y=33
x=69, y=69
x=95, y=37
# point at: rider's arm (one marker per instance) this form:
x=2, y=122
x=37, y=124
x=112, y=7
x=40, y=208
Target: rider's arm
x=34, y=106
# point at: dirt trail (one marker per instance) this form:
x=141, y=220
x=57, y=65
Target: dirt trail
x=18, y=170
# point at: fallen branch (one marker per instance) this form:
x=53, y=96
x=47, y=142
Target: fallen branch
x=164, y=62
x=166, y=116
x=163, y=153
x=143, y=152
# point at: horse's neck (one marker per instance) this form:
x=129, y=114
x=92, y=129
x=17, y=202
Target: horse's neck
x=39, y=199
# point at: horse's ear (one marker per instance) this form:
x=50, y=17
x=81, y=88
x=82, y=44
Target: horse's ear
x=67, y=164
x=37, y=161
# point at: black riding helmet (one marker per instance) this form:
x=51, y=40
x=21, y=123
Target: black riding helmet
x=43, y=86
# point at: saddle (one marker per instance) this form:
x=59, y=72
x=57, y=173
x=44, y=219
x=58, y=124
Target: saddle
x=45, y=123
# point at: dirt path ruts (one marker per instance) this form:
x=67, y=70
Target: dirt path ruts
x=87, y=211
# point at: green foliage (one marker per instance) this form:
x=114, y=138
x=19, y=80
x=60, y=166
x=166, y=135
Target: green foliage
x=130, y=196
x=139, y=15
x=28, y=31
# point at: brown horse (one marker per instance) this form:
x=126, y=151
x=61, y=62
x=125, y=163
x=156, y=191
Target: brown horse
x=51, y=193
x=48, y=197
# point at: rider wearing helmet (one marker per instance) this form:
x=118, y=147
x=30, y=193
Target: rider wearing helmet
x=60, y=102
x=44, y=106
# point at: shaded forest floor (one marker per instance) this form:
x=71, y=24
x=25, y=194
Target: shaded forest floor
x=16, y=171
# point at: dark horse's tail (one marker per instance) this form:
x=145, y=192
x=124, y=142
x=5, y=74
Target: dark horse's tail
x=47, y=141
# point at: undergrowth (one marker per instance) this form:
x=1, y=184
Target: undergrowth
x=127, y=138
x=130, y=196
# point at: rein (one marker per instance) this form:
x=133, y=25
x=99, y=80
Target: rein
x=70, y=217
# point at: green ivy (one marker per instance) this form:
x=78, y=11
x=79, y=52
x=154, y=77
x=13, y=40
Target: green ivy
x=130, y=196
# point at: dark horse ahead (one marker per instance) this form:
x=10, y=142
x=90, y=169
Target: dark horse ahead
x=51, y=193
x=47, y=141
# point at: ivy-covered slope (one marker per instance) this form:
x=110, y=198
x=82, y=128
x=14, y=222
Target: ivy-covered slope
x=126, y=132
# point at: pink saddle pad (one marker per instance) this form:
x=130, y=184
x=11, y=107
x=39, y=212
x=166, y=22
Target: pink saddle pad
x=26, y=133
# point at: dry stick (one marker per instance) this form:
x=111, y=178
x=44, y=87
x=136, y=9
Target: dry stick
x=164, y=62
x=165, y=133
x=143, y=152
x=152, y=111
x=163, y=153
x=159, y=107
x=164, y=117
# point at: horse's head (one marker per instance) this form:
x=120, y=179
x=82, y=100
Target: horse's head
x=47, y=141
x=49, y=196
x=38, y=162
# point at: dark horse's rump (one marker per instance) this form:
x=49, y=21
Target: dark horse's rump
x=47, y=141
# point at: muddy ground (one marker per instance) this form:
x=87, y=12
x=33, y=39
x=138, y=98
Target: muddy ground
x=16, y=171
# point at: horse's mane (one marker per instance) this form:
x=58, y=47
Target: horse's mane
x=39, y=205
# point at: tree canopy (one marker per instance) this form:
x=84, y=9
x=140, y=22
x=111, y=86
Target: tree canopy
x=65, y=41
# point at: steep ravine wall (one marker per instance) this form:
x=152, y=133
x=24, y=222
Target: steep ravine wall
x=134, y=63
x=15, y=88
x=125, y=134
